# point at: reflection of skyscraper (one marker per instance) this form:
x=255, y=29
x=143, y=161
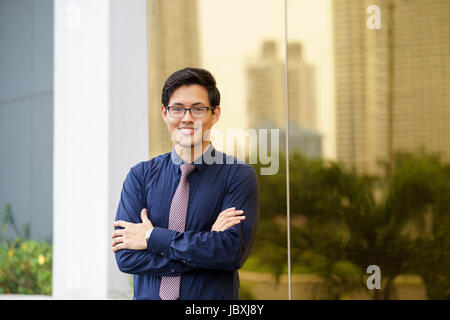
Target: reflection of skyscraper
x=302, y=89
x=265, y=87
x=420, y=98
x=422, y=76
x=266, y=97
x=173, y=44
x=360, y=73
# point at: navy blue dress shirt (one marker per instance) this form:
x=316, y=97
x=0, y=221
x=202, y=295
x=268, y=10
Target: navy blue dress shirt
x=206, y=260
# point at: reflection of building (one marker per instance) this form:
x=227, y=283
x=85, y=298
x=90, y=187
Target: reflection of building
x=266, y=97
x=265, y=87
x=302, y=89
x=307, y=141
x=419, y=98
x=422, y=76
x=360, y=73
x=172, y=44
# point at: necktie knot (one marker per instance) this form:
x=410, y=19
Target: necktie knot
x=186, y=169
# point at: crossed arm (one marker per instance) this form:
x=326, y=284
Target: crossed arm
x=167, y=252
x=133, y=235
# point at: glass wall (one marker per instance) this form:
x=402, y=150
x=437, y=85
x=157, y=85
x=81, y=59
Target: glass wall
x=242, y=44
x=370, y=212
x=369, y=145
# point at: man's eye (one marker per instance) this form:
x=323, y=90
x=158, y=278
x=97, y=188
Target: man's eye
x=177, y=109
x=198, y=109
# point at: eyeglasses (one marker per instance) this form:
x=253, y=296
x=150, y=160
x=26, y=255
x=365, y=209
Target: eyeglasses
x=196, y=112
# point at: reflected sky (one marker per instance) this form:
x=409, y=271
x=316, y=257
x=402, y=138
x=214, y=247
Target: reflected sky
x=231, y=33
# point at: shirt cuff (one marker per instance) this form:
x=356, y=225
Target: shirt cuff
x=148, y=233
x=159, y=241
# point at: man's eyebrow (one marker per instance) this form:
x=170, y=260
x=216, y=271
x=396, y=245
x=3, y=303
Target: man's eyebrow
x=192, y=105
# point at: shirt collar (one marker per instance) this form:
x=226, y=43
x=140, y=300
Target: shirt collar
x=199, y=163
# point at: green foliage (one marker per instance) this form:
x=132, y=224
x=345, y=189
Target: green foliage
x=270, y=250
x=245, y=292
x=351, y=221
x=25, y=265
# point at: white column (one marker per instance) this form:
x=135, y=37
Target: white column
x=100, y=131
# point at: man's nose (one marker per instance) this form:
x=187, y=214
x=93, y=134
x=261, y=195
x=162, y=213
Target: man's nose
x=187, y=117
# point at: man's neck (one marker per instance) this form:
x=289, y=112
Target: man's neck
x=189, y=155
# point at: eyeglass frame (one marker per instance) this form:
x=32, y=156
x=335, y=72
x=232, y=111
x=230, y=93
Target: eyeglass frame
x=207, y=108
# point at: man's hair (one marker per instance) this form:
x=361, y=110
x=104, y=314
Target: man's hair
x=188, y=76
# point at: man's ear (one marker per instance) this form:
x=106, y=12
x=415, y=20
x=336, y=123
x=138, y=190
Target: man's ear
x=216, y=115
x=164, y=113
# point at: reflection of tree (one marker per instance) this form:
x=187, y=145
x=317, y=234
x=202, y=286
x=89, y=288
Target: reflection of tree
x=343, y=222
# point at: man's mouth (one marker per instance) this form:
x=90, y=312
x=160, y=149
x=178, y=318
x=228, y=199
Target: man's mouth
x=186, y=130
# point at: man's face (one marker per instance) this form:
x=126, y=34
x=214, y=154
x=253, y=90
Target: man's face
x=187, y=131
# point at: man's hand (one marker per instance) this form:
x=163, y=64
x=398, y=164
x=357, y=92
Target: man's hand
x=133, y=235
x=227, y=218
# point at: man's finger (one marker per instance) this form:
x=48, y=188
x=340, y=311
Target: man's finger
x=116, y=241
x=120, y=223
x=234, y=213
x=119, y=246
x=117, y=233
x=227, y=210
x=144, y=216
x=230, y=224
x=233, y=219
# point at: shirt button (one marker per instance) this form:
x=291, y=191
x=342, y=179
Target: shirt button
x=162, y=253
x=184, y=261
x=172, y=270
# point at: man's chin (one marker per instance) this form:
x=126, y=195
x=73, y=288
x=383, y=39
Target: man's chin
x=185, y=146
x=188, y=144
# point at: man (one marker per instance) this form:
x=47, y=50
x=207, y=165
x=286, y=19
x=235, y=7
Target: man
x=186, y=224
